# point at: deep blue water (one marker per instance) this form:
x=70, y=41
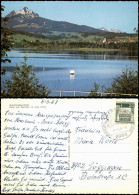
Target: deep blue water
x=53, y=69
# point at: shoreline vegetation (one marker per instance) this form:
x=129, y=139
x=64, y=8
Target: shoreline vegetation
x=77, y=42
x=133, y=47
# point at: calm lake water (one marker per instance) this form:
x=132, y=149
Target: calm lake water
x=53, y=68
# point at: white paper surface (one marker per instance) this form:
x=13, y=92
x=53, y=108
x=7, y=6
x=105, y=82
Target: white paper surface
x=69, y=146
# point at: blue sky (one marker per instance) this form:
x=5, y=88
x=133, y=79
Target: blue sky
x=122, y=15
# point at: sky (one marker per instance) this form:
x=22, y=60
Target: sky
x=121, y=15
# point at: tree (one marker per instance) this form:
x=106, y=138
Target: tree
x=23, y=83
x=126, y=83
x=94, y=91
x=5, y=41
x=136, y=30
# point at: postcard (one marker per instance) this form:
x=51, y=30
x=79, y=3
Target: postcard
x=67, y=146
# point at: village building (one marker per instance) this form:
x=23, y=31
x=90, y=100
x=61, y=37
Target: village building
x=104, y=40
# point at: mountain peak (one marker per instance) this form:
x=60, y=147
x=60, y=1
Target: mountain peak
x=25, y=12
x=25, y=9
x=110, y=30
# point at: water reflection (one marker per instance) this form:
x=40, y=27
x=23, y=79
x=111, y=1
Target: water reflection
x=35, y=69
x=83, y=55
x=72, y=77
x=105, y=56
x=112, y=52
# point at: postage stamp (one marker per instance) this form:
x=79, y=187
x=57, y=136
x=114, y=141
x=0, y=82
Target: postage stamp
x=121, y=121
x=125, y=112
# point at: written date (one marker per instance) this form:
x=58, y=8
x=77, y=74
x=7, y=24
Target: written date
x=52, y=102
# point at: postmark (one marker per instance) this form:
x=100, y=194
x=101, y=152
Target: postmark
x=121, y=121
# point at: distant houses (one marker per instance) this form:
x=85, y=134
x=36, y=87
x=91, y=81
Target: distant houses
x=104, y=40
x=131, y=40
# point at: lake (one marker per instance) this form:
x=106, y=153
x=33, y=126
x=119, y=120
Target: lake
x=53, y=68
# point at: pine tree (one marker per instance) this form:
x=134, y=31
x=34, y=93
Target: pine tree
x=23, y=83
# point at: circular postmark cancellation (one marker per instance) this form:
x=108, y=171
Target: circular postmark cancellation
x=121, y=121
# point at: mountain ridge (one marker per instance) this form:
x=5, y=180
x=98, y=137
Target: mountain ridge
x=29, y=21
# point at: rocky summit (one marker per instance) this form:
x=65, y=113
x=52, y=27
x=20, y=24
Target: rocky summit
x=25, y=12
